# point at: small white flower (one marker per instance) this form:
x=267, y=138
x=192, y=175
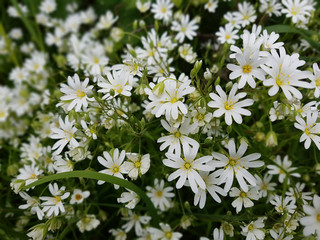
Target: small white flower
x=253, y=231
x=298, y=10
x=286, y=205
x=243, y=198
x=188, y=167
x=315, y=78
x=106, y=21
x=78, y=196
x=137, y=164
x=227, y=34
x=33, y=203
x=130, y=197
x=185, y=28
x=87, y=223
x=115, y=166
x=166, y=233
x=48, y=6
x=282, y=168
x=54, y=205
x=211, y=6
x=235, y=164
x=178, y=137
x=29, y=173
x=160, y=195
x=118, y=81
x=162, y=10
x=62, y=165
x=312, y=220
x=229, y=105
x=66, y=135
x=264, y=185
x=310, y=128
x=135, y=220
x=143, y=7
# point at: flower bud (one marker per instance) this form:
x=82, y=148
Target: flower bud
x=12, y=169
x=207, y=74
x=271, y=139
x=17, y=185
x=142, y=24
x=158, y=89
x=38, y=231
x=260, y=136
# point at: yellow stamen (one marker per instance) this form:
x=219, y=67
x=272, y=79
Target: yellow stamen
x=246, y=68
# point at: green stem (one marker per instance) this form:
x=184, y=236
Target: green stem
x=8, y=45
x=106, y=178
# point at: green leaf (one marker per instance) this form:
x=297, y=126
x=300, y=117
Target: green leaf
x=305, y=34
x=103, y=177
x=177, y=3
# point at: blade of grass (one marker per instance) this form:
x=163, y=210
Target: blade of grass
x=8, y=45
x=106, y=178
x=29, y=26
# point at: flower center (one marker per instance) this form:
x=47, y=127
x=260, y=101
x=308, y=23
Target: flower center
x=228, y=36
x=168, y=235
x=318, y=217
x=307, y=131
x=86, y=220
x=119, y=88
x=56, y=199
x=163, y=9
x=295, y=10
x=174, y=100
x=2, y=114
x=232, y=161
x=80, y=94
x=115, y=169
x=96, y=60
x=159, y=193
x=78, y=196
x=318, y=82
x=243, y=194
x=187, y=165
x=250, y=227
x=33, y=176
x=177, y=134
x=228, y=105
x=183, y=29
x=246, y=68
x=137, y=164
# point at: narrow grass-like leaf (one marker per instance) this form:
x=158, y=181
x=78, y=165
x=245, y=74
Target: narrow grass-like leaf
x=103, y=177
x=305, y=34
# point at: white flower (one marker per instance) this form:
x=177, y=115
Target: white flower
x=211, y=182
x=229, y=105
x=218, y=234
x=160, y=195
x=280, y=234
x=62, y=165
x=246, y=14
x=143, y=7
x=264, y=185
x=87, y=223
x=236, y=165
x=169, y=102
x=118, y=81
x=65, y=133
x=187, y=53
x=188, y=167
x=200, y=116
x=211, y=6
x=130, y=197
x=54, y=205
x=282, y=168
x=253, y=230
x=270, y=7
x=178, y=136
x=269, y=40
x=166, y=233
x=33, y=203
x=310, y=128
x=106, y=21
x=243, y=197
x=135, y=220
x=315, y=80
x=286, y=205
x=283, y=73
x=185, y=28
x=162, y=10
x=227, y=34
x=78, y=196
x=114, y=164
x=118, y=233
x=248, y=68
x=312, y=220
x=137, y=164
x=297, y=192
x=48, y=6
x=298, y=10
x=29, y=173
x=95, y=60
x=90, y=132
x=38, y=231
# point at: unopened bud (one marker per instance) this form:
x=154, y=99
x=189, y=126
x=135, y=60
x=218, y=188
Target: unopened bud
x=158, y=89
x=207, y=74
x=271, y=139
